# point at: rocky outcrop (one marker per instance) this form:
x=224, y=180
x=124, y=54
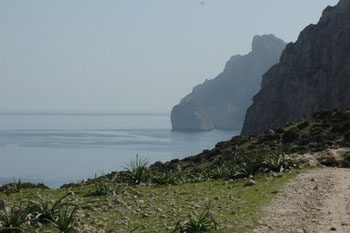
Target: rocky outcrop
x=313, y=74
x=222, y=102
x=190, y=116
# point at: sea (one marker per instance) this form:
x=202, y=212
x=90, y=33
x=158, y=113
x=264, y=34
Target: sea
x=55, y=149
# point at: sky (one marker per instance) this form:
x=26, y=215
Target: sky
x=129, y=55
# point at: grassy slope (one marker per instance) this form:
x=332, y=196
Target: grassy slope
x=157, y=209
x=326, y=129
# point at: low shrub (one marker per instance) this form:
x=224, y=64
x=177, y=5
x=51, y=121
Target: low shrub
x=346, y=160
x=291, y=135
x=17, y=186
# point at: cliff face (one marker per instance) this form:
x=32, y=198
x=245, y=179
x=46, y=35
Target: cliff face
x=313, y=74
x=190, y=116
x=222, y=102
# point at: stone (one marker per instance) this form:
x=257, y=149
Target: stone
x=329, y=158
x=308, y=160
x=313, y=74
x=222, y=102
x=250, y=183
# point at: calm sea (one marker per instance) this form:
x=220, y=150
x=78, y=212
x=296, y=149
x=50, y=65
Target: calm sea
x=56, y=149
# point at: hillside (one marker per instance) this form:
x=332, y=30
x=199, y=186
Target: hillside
x=326, y=129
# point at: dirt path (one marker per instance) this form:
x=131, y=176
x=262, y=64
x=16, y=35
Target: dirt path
x=314, y=202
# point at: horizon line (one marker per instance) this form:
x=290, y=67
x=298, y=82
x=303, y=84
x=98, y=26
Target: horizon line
x=82, y=113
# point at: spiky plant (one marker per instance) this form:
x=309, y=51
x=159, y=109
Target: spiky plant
x=280, y=162
x=103, y=187
x=234, y=171
x=46, y=209
x=202, y=223
x=251, y=164
x=217, y=172
x=13, y=219
x=137, y=170
x=64, y=222
x=166, y=178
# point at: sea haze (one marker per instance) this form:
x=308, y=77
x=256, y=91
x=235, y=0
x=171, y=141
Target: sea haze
x=56, y=149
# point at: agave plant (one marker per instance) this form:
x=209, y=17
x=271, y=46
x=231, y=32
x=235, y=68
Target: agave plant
x=104, y=188
x=13, y=219
x=64, y=222
x=137, y=170
x=280, y=162
x=101, y=189
x=234, y=171
x=217, y=172
x=45, y=209
x=166, y=178
x=201, y=223
x=251, y=164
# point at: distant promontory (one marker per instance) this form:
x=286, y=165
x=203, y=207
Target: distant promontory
x=222, y=102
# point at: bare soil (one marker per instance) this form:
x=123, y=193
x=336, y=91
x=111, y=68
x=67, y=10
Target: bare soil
x=314, y=202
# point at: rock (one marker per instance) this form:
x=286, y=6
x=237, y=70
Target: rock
x=222, y=102
x=313, y=74
x=250, y=183
x=140, y=202
x=329, y=158
x=2, y=204
x=118, y=201
x=333, y=229
x=308, y=160
x=277, y=175
x=190, y=116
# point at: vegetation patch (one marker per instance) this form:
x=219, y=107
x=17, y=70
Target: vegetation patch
x=146, y=208
x=327, y=129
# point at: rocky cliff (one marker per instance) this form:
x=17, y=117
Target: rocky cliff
x=313, y=74
x=222, y=102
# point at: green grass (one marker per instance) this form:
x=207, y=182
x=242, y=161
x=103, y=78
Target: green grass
x=158, y=208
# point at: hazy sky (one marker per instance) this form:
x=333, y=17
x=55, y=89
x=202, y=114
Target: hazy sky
x=129, y=55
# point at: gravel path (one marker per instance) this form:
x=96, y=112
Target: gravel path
x=315, y=202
